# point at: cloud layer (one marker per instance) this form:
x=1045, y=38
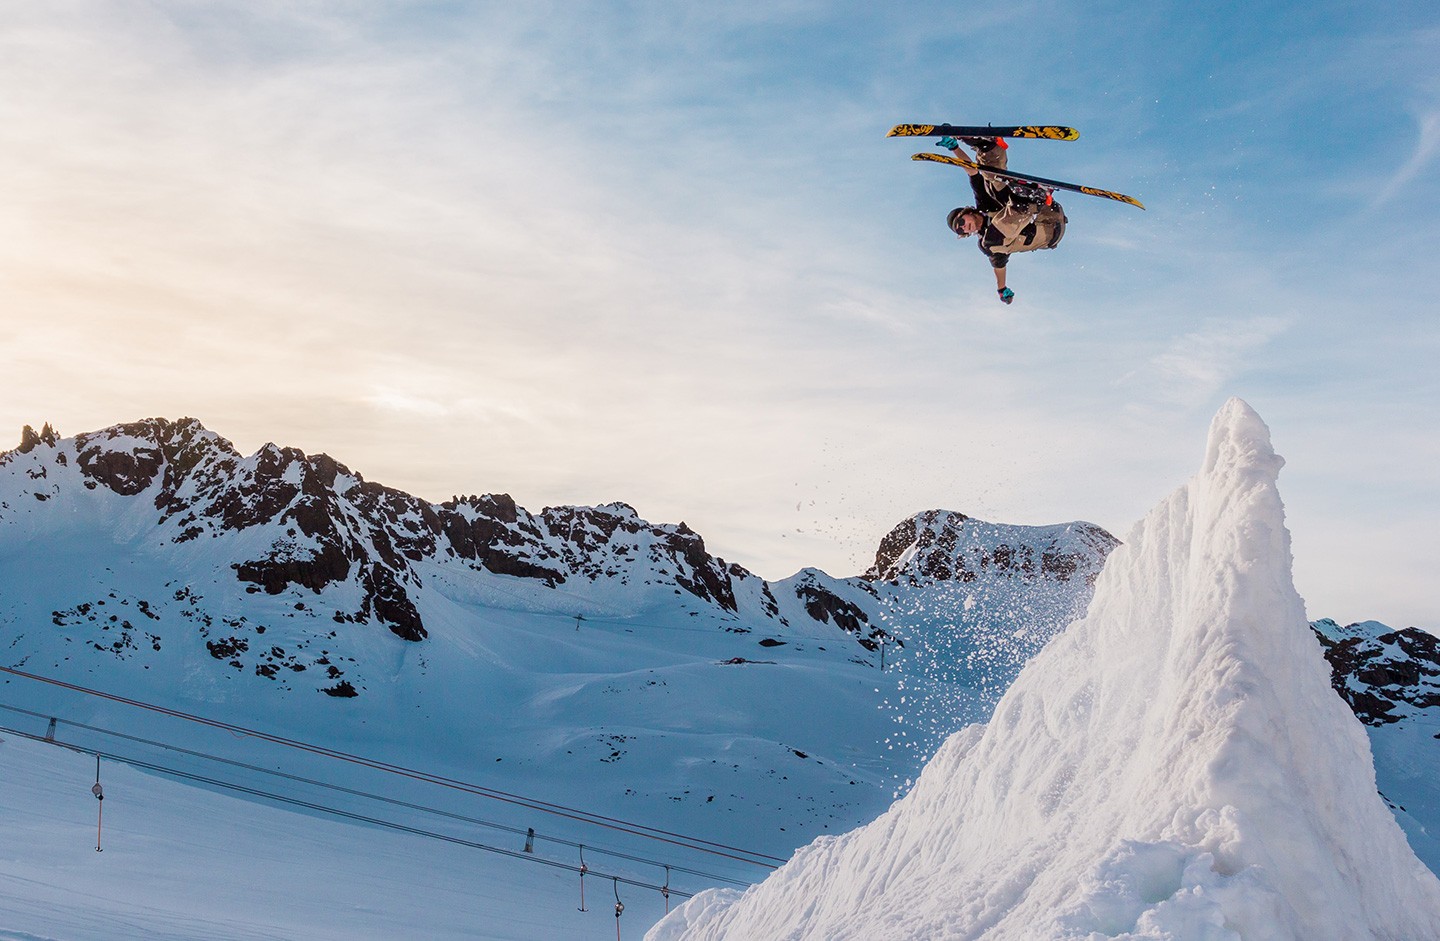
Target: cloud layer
x=663, y=253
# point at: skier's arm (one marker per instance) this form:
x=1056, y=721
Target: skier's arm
x=998, y=264
x=953, y=145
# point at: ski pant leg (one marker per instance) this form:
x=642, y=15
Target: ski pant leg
x=996, y=158
x=1052, y=218
x=982, y=195
x=997, y=191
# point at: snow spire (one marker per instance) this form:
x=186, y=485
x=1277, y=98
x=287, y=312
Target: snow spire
x=1173, y=766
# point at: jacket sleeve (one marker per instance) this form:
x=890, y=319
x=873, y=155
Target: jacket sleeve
x=996, y=259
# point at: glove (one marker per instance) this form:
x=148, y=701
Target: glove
x=1006, y=295
x=949, y=143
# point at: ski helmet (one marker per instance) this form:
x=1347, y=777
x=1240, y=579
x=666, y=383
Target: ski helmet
x=953, y=220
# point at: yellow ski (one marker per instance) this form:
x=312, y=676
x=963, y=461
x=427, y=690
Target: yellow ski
x=1027, y=178
x=1036, y=131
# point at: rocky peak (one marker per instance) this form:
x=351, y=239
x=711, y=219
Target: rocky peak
x=602, y=541
x=1385, y=675
x=942, y=545
x=29, y=439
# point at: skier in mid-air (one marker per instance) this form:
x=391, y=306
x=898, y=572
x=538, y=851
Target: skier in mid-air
x=1009, y=216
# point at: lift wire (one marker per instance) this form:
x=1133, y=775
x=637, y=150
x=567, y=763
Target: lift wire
x=559, y=810
x=335, y=811
x=339, y=788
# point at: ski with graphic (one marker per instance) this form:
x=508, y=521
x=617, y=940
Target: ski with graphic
x=1038, y=131
x=1027, y=178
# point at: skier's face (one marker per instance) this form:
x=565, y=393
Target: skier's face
x=968, y=224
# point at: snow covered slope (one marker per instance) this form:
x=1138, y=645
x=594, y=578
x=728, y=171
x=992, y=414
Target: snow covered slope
x=567, y=654
x=1174, y=765
x=580, y=655
x=184, y=863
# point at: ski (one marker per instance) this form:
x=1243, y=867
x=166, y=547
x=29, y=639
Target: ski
x=1027, y=178
x=1040, y=131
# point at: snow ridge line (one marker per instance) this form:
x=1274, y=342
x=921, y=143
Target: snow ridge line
x=559, y=810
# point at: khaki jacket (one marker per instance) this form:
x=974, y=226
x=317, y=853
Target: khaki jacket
x=1014, y=223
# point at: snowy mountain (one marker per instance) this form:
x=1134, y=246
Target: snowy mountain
x=1174, y=765
x=178, y=497
x=601, y=667
x=579, y=656
x=286, y=521
x=323, y=547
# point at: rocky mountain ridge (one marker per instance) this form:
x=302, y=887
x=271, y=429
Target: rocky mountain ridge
x=309, y=522
x=332, y=526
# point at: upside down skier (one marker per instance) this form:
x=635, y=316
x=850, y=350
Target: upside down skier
x=1008, y=216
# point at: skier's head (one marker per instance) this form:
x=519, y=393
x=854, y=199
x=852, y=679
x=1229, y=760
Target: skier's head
x=964, y=221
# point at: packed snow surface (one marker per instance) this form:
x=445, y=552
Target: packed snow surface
x=1173, y=766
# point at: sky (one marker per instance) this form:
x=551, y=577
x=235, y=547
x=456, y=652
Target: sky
x=663, y=253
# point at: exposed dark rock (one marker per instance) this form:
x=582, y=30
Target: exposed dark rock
x=228, y=649
x=29, y=439
x=276, y=573
x=896, y=542
x=390, y=605
x=126, y=468
x=825, y=606
x=1384, y=676
x=708, y=579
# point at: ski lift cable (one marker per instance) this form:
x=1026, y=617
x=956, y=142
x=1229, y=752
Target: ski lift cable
x=560, y=810
x=353, y=792
x=336, y=811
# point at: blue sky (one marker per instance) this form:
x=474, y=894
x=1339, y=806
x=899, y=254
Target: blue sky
x=663, y=253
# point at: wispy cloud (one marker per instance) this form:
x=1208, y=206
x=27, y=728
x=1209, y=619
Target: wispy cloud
x=1427, y=147
x=1200, y=365
x=661, y=252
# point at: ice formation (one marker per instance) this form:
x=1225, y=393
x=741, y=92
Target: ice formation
x=1173, y=766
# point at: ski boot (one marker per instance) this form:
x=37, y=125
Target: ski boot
x=983, y=145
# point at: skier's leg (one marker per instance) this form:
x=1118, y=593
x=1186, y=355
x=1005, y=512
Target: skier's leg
x=1051, y=218
x=995, y=157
